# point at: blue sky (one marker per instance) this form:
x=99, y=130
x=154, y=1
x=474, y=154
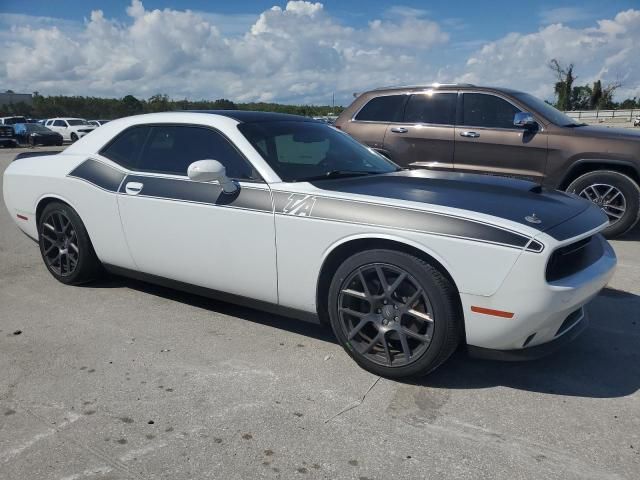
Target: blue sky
x=303, y=51
x=477, y=19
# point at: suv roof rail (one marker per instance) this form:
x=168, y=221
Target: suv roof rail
x=426, y=85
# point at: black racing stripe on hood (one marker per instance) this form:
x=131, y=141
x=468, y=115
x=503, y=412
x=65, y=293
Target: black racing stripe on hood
x=198, y=192
x=343, y=210
x=505, y=198
x=99, y=174
x=592, y=218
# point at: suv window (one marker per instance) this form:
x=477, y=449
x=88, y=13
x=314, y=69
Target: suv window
x=59, y=123
x=481, y=110
x=387, y=108
x=438, y=108
x=126, y=148
x=171, y=149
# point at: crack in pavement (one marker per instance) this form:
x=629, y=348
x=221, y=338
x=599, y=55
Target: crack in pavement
x=355, y=404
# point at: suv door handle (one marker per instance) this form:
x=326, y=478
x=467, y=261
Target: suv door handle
x=399, y=130
x=133, y=188
x=469, y=134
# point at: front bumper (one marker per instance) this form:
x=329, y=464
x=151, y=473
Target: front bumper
x=563, y=337
x=540, y=308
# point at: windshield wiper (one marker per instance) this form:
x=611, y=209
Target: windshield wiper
x=337, y=174
x=573, y=125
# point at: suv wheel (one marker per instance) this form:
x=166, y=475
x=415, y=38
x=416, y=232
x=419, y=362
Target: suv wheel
x=393, y=313
x=615, y=193
x=74, y=137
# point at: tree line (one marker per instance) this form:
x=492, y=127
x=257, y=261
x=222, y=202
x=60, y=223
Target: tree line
x=109, y=108
x=586, y=97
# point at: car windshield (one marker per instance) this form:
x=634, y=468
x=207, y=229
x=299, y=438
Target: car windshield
x=77, y=122
x=35, y=127
x=300, y=151
x=549, y=112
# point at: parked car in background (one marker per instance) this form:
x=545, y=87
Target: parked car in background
x=7, y=136
x=499, y=131
x=636, y=122
x=36, y=134
x=12, y=120
x=71, y=129
x=98, y=123
x=290, y=215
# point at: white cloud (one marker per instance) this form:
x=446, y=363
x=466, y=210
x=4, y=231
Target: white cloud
x=607, y=51
x=296, y=53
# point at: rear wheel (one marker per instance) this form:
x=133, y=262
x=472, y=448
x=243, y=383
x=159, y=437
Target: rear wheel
x=65, y=246
x=74, y=137
x=393, y=313
x=617, y=194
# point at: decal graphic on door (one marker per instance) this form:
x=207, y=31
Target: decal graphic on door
x=299, y=205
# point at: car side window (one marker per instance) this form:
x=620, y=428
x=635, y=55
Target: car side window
x=481, y=110
x=172, y=148
x=435, y=108
x=126, y=148
x=59, y=123
x=387, y=108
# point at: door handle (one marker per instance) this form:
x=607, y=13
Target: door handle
x=133, y=188
x=469, y=134
x=399, y=130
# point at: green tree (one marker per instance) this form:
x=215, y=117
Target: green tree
x=131, y=105
x=596, y=94
x=564, y=84
x=581, y=97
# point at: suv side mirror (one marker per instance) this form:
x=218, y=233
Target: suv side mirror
x=525, y=120
x=211, y=171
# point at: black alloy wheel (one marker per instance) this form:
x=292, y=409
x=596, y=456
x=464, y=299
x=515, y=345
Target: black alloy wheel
x=60, y=244
x=65, y=245
x=385, y=314
x=395, y=314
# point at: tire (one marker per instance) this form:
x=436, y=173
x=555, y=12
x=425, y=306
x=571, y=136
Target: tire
x=74, y=137
x=623, y=199
x=430, y=342
x=65, y=246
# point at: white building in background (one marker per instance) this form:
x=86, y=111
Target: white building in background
x=7, y=98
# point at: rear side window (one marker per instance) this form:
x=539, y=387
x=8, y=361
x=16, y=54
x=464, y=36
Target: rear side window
x=126, y=148
x=481, y=110
x=437, y=108
x=59, y=123
x=387, y=108
x=171, y=149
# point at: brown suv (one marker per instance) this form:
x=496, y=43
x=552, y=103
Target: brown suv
x=500, y=131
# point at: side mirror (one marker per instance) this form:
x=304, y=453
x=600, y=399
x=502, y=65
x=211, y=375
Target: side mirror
x=525, y=120
x=211, y=171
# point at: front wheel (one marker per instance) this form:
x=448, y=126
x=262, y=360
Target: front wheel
x=65, y=245
x=617, y=194
x=393, y=313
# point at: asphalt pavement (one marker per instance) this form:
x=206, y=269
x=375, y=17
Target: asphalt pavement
x=125, y=380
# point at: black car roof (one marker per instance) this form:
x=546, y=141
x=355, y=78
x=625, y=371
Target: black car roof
x=249, y=116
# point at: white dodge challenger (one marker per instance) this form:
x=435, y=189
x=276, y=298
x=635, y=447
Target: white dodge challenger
x=288, y=214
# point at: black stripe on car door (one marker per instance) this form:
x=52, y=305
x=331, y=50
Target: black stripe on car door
x=206, y=193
